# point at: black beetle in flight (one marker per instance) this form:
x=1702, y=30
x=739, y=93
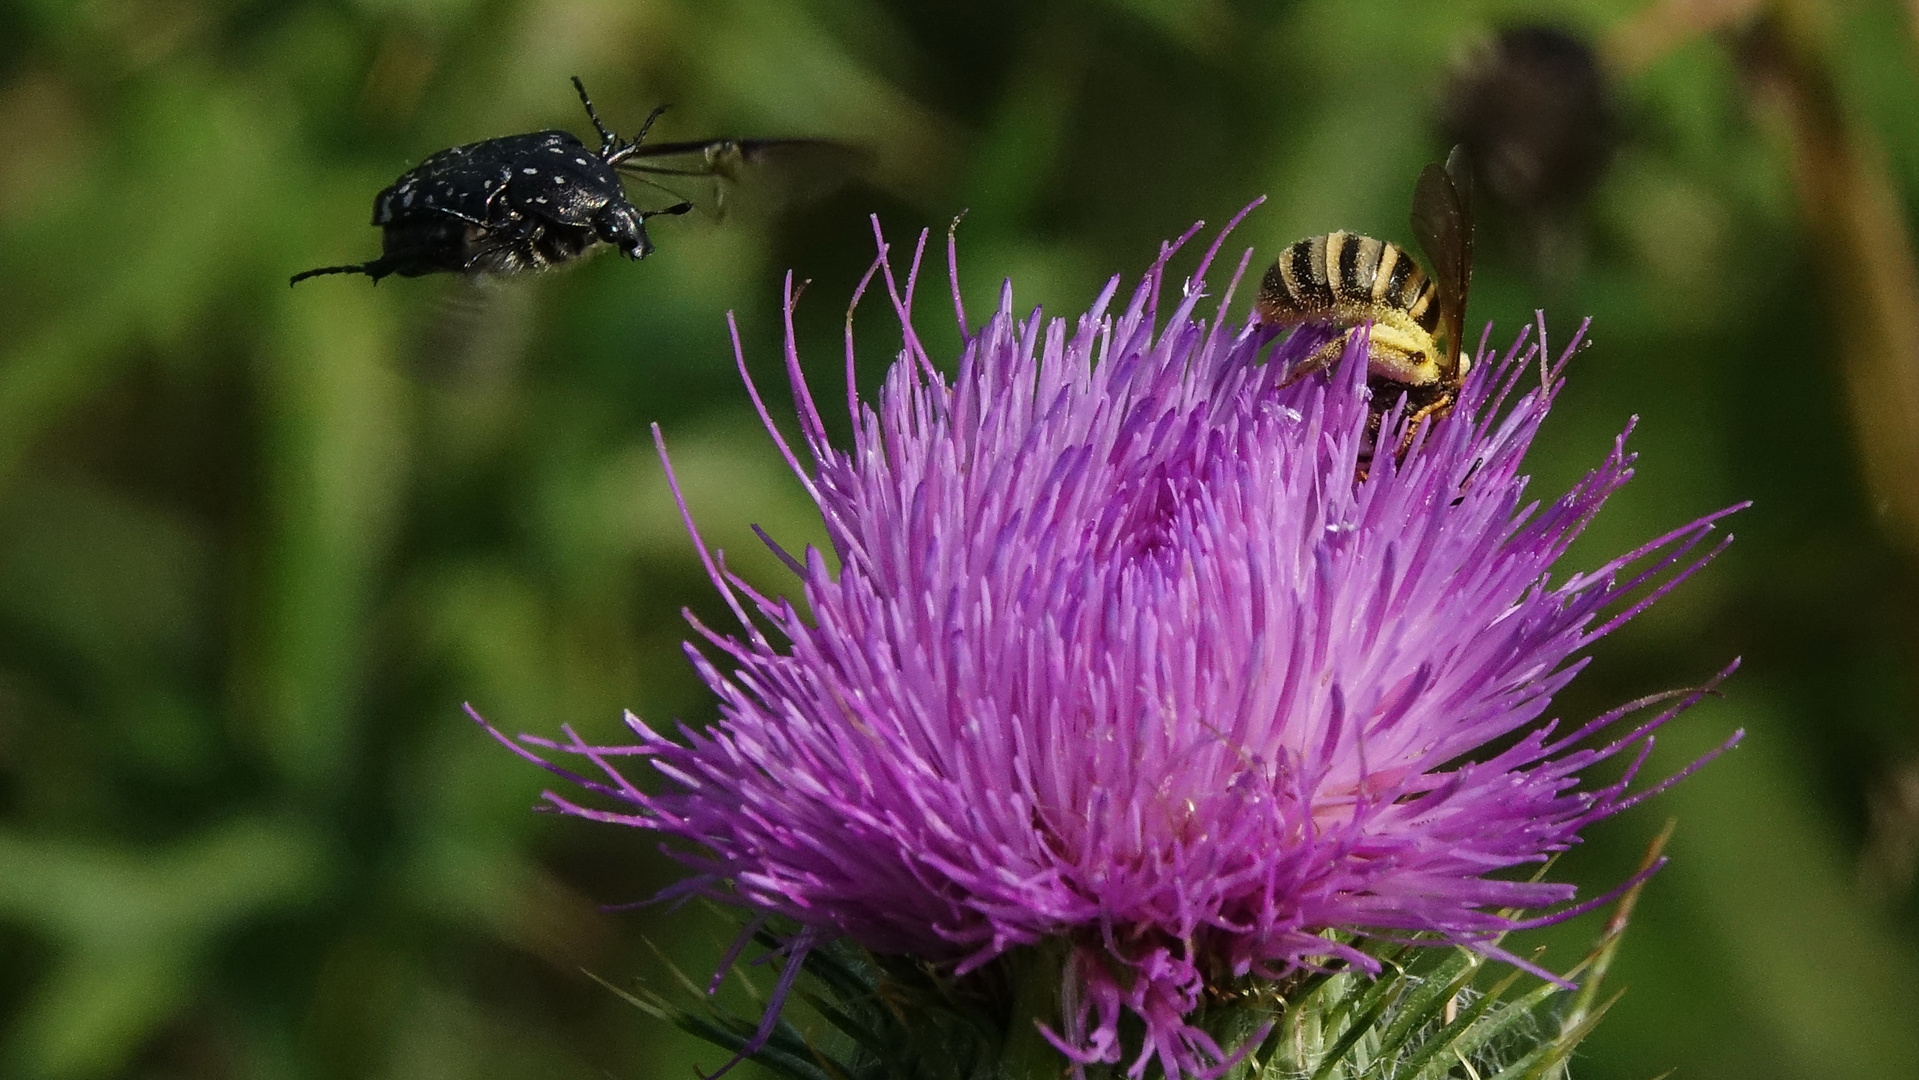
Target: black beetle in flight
x=524, y=203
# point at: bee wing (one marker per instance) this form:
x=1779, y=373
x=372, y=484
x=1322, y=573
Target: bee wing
x=1443, y=223
x=777, y=172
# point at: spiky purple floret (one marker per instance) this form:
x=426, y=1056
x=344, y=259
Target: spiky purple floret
x=1118, y=651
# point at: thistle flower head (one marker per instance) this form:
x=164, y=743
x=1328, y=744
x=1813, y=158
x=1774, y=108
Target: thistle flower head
x=1119, y=650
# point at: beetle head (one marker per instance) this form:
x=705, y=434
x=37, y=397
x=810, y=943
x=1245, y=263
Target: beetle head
x=619, y=224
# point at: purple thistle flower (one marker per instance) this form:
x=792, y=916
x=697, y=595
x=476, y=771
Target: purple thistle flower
x=1120, y=652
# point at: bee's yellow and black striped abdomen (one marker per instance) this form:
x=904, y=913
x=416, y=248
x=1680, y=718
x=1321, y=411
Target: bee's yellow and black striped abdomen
x=1347, y=279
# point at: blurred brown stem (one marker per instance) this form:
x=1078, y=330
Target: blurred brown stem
x=1863, y=248
x=1852, y=215
x=1660, y=27
x=1864, y=259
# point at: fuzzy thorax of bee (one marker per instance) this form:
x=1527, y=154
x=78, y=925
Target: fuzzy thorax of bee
x=1349, y=280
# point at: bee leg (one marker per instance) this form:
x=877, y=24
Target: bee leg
x=1434, y=411
x=1300, y=370
x=1321, y=359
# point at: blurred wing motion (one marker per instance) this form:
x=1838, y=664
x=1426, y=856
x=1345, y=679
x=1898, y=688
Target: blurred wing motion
x=1443, y=223
x=776, y=172
x=475, y=332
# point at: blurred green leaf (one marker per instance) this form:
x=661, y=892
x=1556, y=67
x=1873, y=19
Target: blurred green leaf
x=257, y=545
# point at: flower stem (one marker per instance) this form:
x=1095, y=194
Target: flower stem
x=1026, y=1054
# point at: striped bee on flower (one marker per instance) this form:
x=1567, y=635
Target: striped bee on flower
x=1413, y=320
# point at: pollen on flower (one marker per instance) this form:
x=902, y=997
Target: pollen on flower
x=1120, y=653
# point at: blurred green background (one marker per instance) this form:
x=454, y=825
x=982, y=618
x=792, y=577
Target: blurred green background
x=258, y=544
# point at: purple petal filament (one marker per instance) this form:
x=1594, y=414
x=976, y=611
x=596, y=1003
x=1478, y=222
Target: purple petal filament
x=1119, y=651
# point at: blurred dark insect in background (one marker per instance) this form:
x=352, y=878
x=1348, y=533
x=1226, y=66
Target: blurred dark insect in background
x=1532, y=105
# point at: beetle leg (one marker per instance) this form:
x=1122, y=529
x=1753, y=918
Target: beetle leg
x=468, y=218
x=517, y=233
x=356, y=268
x=608, y=140
x=377, y=269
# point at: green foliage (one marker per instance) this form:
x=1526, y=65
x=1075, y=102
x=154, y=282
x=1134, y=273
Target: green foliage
x=257, y=545
x=855, y=1015
x=875, y=1018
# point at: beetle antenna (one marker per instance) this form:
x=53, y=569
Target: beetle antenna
x=608, y=140
x=657, y=186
